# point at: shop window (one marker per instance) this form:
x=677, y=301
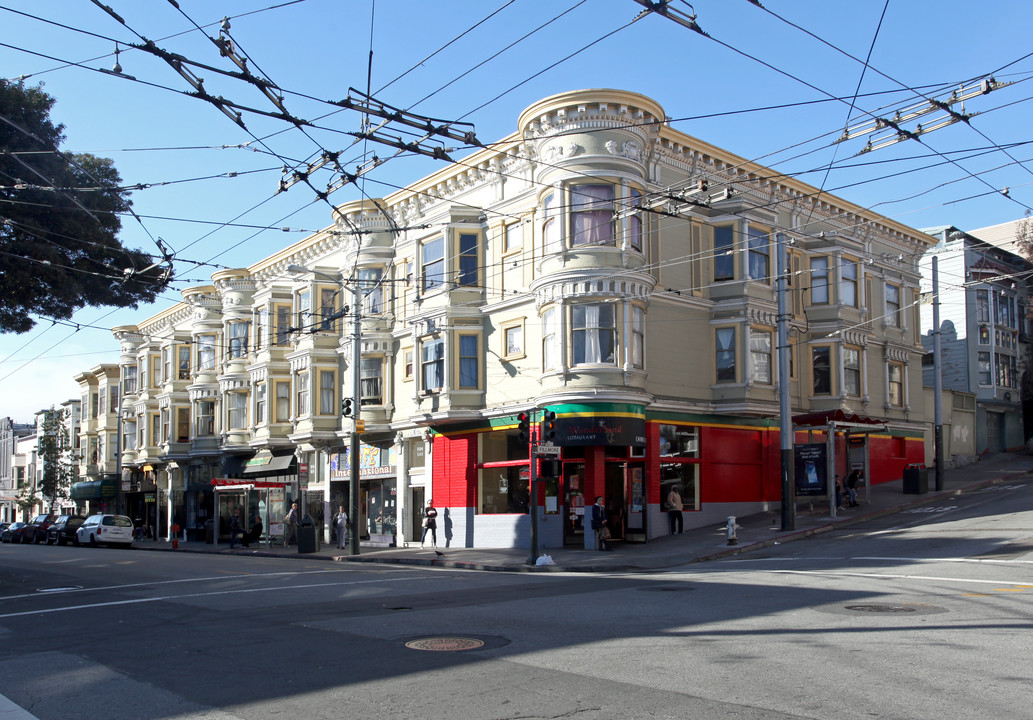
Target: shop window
x=819, y=281
x=724, y=256
x=725, y=354
x=821, y=370
x=504, y=490
x=679, y=441
x=593, y=334
x=683, y=477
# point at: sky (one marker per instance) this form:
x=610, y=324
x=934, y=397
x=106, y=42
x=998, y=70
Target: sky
x=777, y=81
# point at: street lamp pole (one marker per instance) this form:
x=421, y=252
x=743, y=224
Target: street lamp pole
x=353, y=453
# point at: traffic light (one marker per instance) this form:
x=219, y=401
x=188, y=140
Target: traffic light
x=548, y=426
x=346, y=407
x=524, y=426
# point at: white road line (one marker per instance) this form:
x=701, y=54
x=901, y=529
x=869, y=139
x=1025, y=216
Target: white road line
x=890, y=576
x=164, y=598
x=946, y=560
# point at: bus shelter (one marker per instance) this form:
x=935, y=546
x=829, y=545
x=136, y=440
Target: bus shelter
x=266, y=499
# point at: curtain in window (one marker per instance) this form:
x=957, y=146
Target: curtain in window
x=592, y=214
x=370, y=381
x=593, y=334
x=468, y=361
x=327, y=393
x=433, y=364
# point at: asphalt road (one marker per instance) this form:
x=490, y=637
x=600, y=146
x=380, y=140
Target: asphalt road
x=923, y=614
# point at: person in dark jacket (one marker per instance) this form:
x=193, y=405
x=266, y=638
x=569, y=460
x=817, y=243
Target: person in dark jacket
x=599, y=518
x=430, y=523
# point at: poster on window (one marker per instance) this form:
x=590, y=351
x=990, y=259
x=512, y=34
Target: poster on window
x=811, y=474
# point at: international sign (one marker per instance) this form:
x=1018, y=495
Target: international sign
x=548, y=450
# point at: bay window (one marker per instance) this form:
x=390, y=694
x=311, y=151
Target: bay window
x=550, y=340
x=432, y=268
x=896, y=384
x=724, y=339
x=551, y=224
x=759, y=254
x=371, y=381
x=327, y=392
x=205, y=352
x=432, y=364
x=819, y=281
x=236, y=414
x=469, y=361
x=724, y=257
x=638, y=334
x=591, y=215
x=821, y=369
x=852, y=371
x=469, y=260
x=183, y=362
x=239, y=331
x=760, y=357
x=593, y=334
x=301, y=393
x=260, y=391
x=283, y=400
x=848, y=282
x=204, y=423
x=372, y=290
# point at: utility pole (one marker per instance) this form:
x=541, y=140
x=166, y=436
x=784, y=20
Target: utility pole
x=353, y=453
x=937, y=380
x=784, y=399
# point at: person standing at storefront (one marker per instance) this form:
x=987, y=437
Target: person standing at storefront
x=290, y=535
x=674, y=508
x=234, y=528
x=341, y=523
x=430, y=523
x=599, y=517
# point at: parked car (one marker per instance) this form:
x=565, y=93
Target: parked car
x=13, y=533
x=64, y=528
x=37, y=529
x=4, y=526
x=105, y=530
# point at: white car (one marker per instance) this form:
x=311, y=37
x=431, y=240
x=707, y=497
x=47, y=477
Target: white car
x=105, y=530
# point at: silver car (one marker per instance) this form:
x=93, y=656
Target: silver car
x=106, y=530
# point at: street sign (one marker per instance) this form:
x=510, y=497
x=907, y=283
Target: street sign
x=360, y=426
x=548, y=450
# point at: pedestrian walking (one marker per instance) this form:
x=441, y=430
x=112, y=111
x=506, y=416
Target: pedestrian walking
x=341, y=523
x=599, y=518
x=291, y=521
x=674, y=509
x=430, y=524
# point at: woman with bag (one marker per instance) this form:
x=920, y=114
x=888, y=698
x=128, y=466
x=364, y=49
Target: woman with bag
x=430, y=522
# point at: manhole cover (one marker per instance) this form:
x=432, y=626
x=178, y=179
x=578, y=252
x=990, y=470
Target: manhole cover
x=445, y=644
x=65, y=588
x=881, y=608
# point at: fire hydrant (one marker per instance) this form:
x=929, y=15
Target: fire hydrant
x=731, y=527
x=174, y=531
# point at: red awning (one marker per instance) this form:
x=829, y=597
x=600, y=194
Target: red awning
x=249, y=483
x=831, y=416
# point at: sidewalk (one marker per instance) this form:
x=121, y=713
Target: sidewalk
x=694, y=545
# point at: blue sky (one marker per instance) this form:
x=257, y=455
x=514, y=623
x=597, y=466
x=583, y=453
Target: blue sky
x=773, y=84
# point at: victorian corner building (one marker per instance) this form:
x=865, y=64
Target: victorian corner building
x=597, y=264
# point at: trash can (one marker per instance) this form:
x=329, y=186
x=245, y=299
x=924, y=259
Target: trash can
x=307, y=536
x=916, y=479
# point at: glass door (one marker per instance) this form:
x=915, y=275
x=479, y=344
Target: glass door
x=574, y=504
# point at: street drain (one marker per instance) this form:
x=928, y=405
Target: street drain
x=874, y=608
x=445, y=644
x=64, y=588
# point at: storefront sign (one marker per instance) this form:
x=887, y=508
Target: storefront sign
x=601, y=430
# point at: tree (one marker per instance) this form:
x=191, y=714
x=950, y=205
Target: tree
x=52, y=451
x=59, y=221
